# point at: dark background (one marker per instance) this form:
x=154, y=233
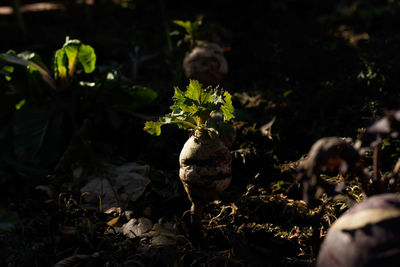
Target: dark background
x=321, y=68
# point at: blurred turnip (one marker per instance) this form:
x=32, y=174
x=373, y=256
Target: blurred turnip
x=368, y=234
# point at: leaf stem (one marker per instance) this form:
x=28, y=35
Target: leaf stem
x=186, y=123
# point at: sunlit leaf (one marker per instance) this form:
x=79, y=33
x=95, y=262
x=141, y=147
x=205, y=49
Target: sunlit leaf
x=87, y=58
x=71, y=51
x=194, y=108
x=19, y=105
x=60, y=65
x=179, y=98
x=153, y=127
x=72, y=55
x=187, y=25
x=194, y=91
x=6, y=71
x=227, y=108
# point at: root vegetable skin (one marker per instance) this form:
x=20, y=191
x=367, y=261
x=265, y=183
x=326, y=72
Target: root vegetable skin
x=206, y=63
x=205, y=168
x=368, y=234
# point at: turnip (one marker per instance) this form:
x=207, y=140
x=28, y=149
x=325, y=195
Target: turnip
x=328, y=154
x=366, y=235
x=205, y=161
x=206, y=63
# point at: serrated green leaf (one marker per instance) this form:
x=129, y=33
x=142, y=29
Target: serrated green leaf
x=217, y=98
x=153, y=127
x=194, y=108
x=206, y=96
x=194, y=91
x=228, y=108
x=179, y=99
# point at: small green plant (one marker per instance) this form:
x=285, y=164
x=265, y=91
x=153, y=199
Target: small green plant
x=73, y=55
x=51, y=105
x=67, y=61
x=205, y=161
x=193, y=30
x=194, y=109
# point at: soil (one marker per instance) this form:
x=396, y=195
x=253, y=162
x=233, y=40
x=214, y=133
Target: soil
x=309, y=68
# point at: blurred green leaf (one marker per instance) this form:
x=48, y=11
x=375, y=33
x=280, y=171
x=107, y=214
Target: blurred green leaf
x=187, y=25
x=6, y=71
x=37, y=136
x=19, y=105
x=141, y=96
x=15, y=59
x=8, y=220
x=33, y=57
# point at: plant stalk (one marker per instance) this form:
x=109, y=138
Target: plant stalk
x=18, y=16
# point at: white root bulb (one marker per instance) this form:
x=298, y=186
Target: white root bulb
x=206, y=63
x=205, y=170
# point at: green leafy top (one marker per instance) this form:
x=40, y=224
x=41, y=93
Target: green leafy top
x=194, y=108
x=73, y=54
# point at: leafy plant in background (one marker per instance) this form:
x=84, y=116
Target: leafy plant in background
x=43, y=107
x=67, y=59
x=336, y=154
x=205, y=161
x=193, y=31
x=204, y=60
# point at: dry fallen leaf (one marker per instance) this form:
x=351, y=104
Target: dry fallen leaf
x=136, y=227
x=118, y=186
x=162, y=234
x=113, y=221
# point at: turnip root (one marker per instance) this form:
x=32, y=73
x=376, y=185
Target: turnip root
x=205, y=161
x=328, y=154
x=206, y=63
x=205, y=171
x=368, y=234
